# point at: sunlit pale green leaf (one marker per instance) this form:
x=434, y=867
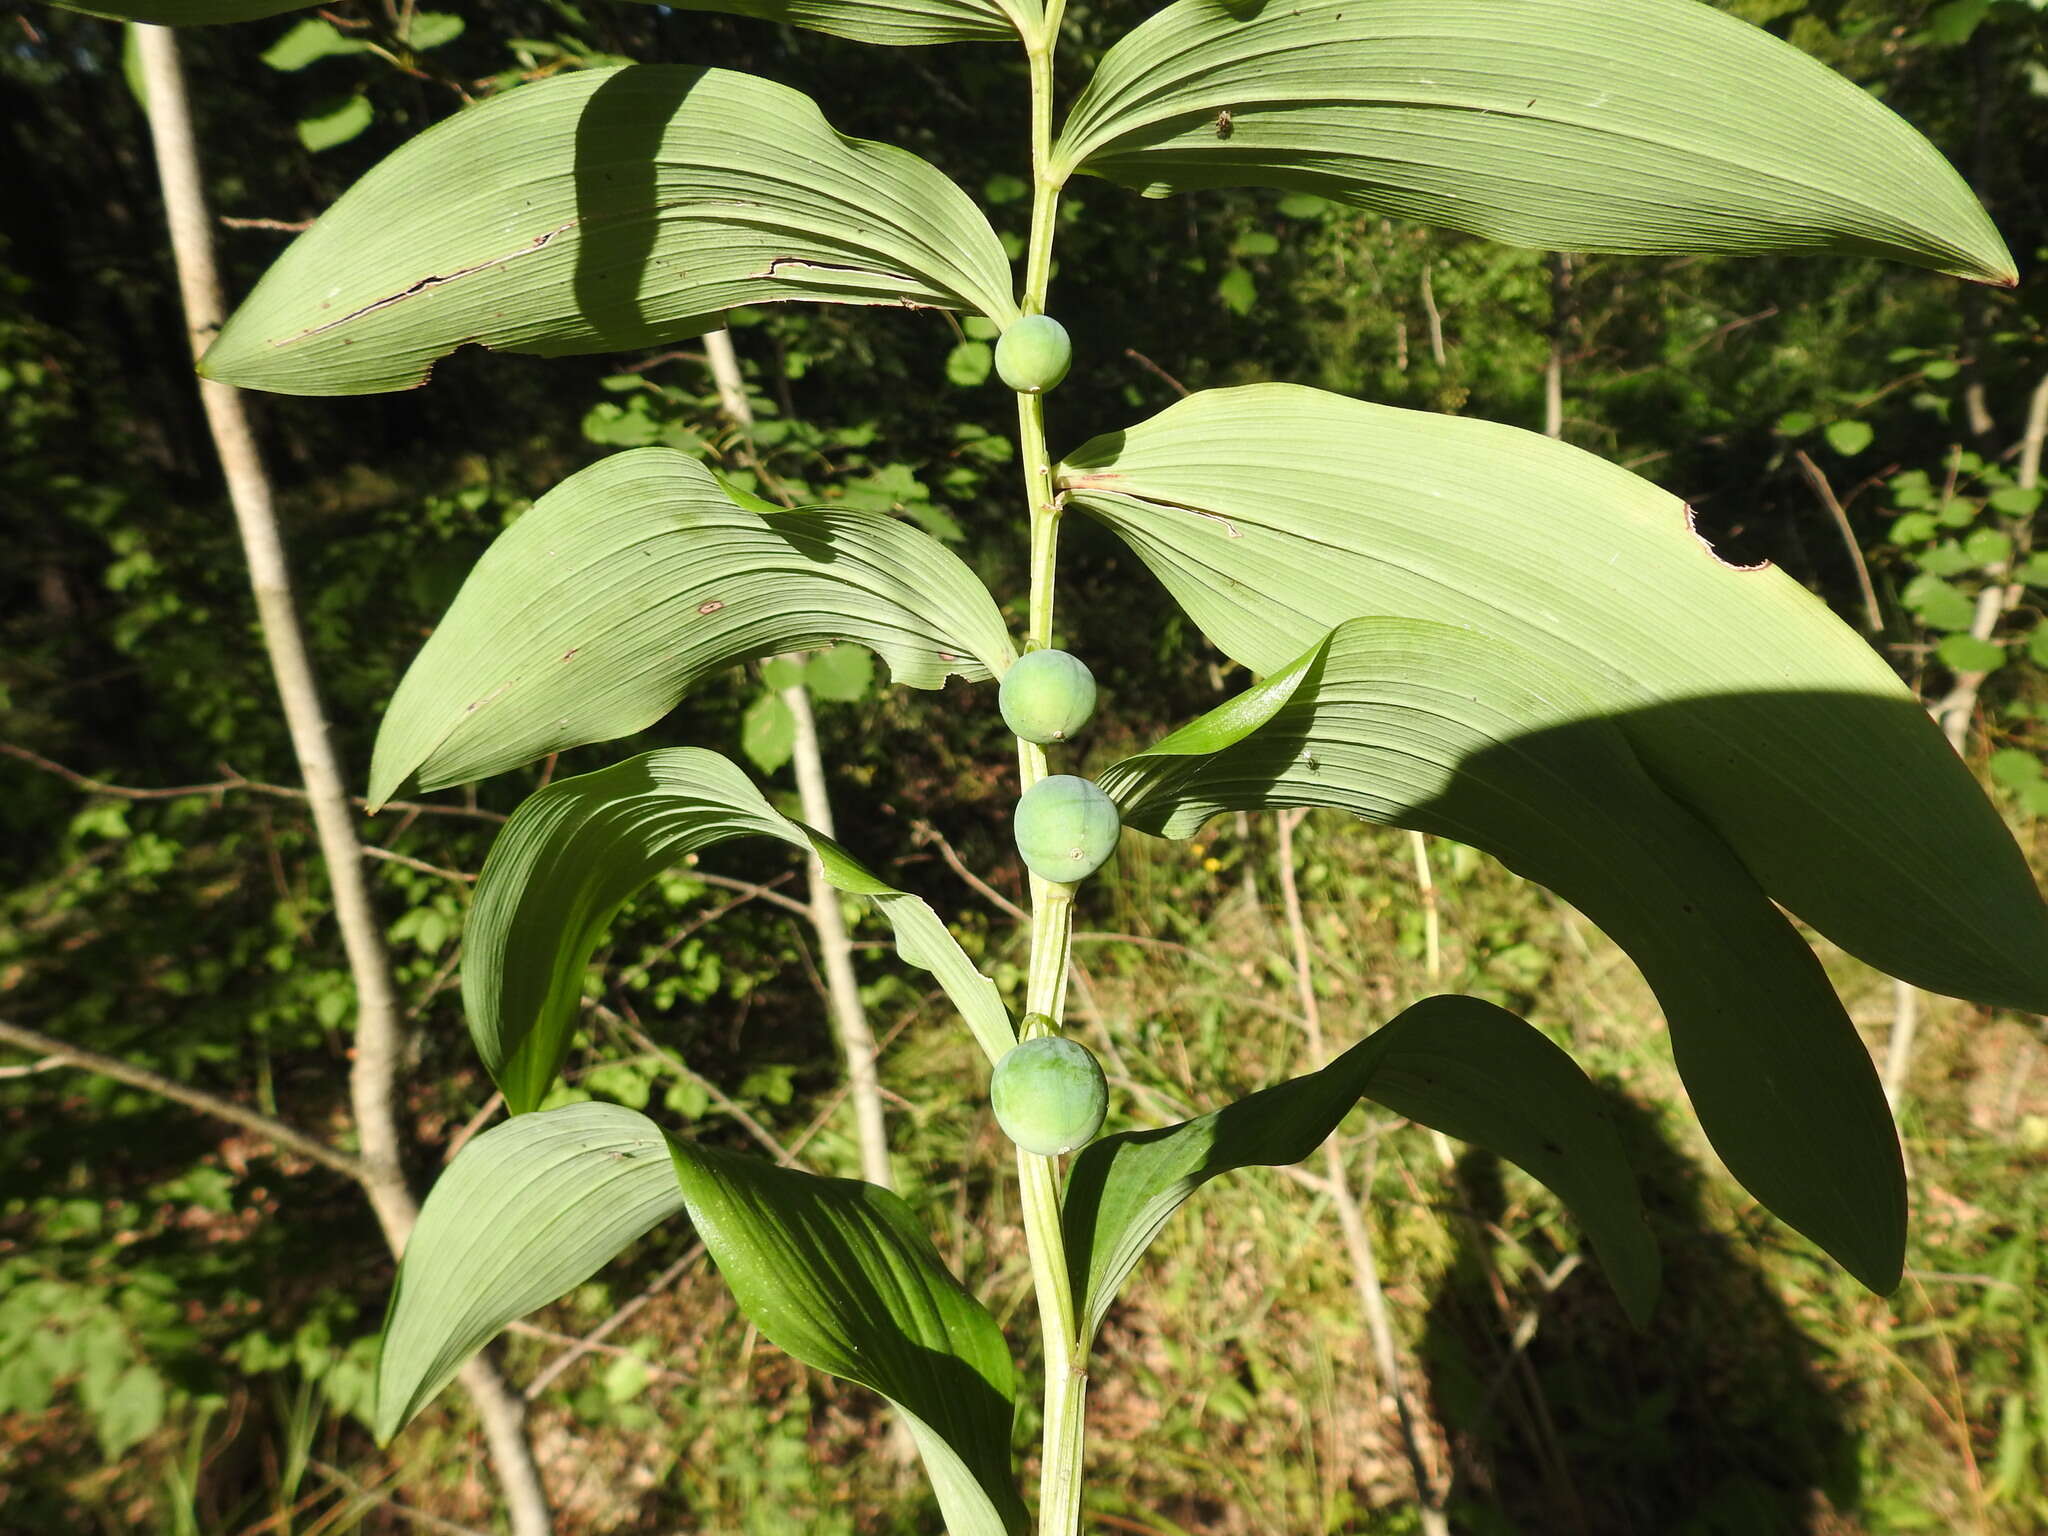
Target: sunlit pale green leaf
x=1966, y=653
x=602, y=210
x=1456, y=1064
x=1988, y=546
x=432, y=29
x=1937, y=603
x=573, y=852
x=968, y=364
x=1592, y=125
x=1849, y=438
x=528, y=1210
x=1274, y=513
x=768, y=733
x=897, y=22
x=841, y=675
x=309, y=40
x=839, y=1274
x=1462, y=733
x=637, y=577
x=334, y=125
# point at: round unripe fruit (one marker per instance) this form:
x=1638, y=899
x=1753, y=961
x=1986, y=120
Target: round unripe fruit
x=1033, y=354
x=1066, y=828
x=1047, y=696
x=1049, y=1095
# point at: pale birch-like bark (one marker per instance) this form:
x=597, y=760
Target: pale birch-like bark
x=1365, y=1271
x=835, y=949
x=381, y=1172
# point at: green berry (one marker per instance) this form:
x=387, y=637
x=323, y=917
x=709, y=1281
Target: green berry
x=1033, y=354
x=1066, y=828
x=1049, y=1095
x=1047, y=696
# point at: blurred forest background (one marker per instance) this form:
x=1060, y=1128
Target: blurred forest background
x=188, y=1313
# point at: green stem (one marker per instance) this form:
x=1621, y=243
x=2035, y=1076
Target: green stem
x=1066, y=1366
x=1045, y=519
x=1052, y=905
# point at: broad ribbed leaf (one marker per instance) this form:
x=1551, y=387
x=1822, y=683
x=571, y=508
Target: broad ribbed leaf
x=576, y=850
x=838, y=1274
x=1456, y=1064
x=1274, y=513
x=634, y=579
x=1465, y=734
x=526, y=1212
x=598, y=211
x=1643, y=126
x=897, y=22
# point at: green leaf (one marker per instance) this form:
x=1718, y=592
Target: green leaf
x=768, y=733
x=1943, y=559
x=2014, y=768
x=130, y=1412
x=636, y=578
x=1463, y=733
x=780, y=672
x=1654, y=127
x=1274, y=513
x=433, y=29
x=1937, y=603
x=314, y=38
x=1796, y=423
x=526, y=1211
x=838, y=1274
x=335, y=124
x=895, y=22
x=1914, y=528
x=574, y=852
x=1988, y=546
x=1966, y=653
x=1456, y=1064
x=842, y=675
x=2016, y=500
x=598, y=211
x=1952, y=24
x=968, y=363
x=1238, y=291
x=1849, y=438
x=2037, y=645
x=2033, y=570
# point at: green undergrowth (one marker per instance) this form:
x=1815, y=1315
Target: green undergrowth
x=1768, y=1395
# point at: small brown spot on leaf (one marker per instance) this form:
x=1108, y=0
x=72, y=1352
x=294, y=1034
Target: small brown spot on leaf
x=711, y=607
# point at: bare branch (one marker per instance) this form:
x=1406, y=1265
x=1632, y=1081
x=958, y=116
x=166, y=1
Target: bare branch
x=230, y=783
x=54, y=1052
x=925, y=832
x=1873, y=618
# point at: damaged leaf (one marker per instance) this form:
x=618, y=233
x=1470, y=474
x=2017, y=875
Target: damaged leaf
x=597, y=212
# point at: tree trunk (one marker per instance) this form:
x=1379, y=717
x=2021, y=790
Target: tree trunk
x=835, y=950
x=377, y=1016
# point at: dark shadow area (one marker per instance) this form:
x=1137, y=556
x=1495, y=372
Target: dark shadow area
x=618, y=153
x=1713, y=1421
